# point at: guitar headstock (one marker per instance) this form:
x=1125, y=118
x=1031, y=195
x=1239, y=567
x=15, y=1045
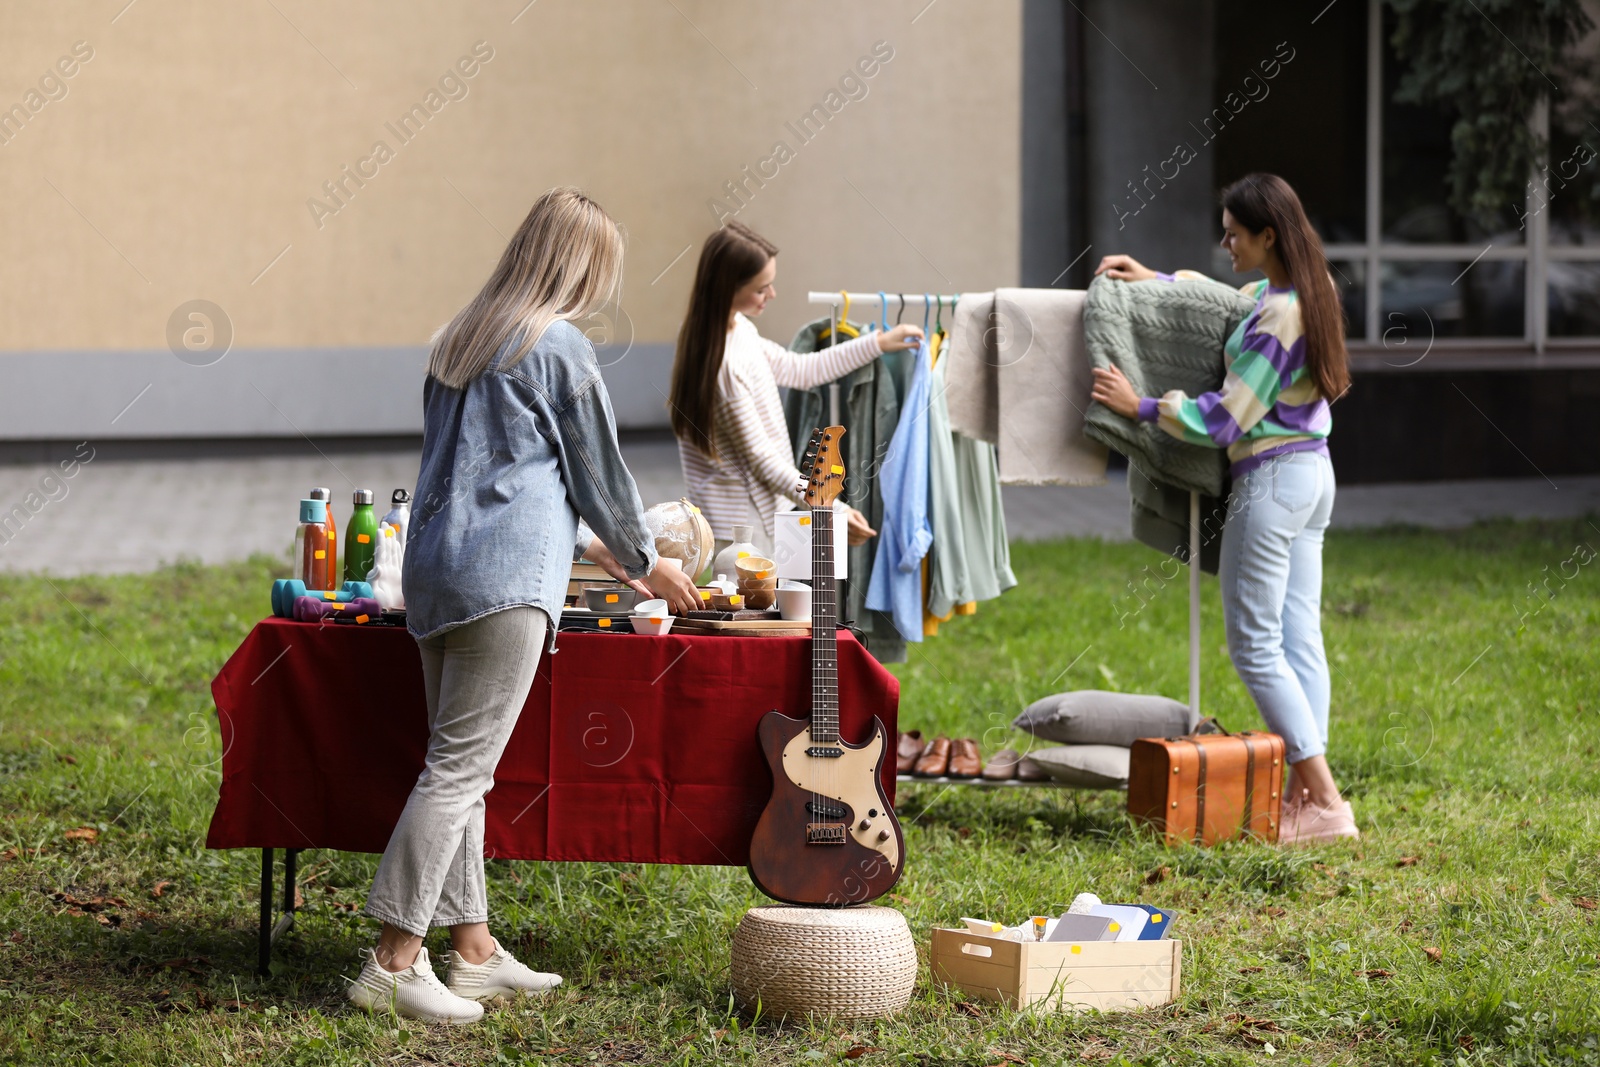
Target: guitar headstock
x=822, y=468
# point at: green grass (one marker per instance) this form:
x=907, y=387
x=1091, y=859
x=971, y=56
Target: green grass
x=1463, y=730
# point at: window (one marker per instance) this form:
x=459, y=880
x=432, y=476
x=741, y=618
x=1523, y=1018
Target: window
x=1372, y=175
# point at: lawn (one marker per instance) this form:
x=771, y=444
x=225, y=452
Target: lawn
x=1462, y=929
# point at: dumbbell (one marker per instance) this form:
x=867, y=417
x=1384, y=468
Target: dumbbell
x=286, y=590
x=314, y=609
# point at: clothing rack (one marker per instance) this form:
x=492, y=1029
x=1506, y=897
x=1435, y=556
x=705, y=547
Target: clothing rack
x=837, y=300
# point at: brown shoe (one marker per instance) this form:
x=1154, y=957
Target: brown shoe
x=964, y=760
x=935, y=759
x=907, y=751
x=1002, y=766
x=1029, y=771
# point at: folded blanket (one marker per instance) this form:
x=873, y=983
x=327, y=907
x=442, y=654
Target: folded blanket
x=1019, y=378
x=1163, y=336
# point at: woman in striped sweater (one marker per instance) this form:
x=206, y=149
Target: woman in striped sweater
x=1285, y=362
x=733, y=441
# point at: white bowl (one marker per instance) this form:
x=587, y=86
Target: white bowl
x=794, y=602
x=651, y=625
x=654, y=609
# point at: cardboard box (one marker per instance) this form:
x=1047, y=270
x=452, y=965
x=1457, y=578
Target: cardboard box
x=1059, y=975
x=792, y=545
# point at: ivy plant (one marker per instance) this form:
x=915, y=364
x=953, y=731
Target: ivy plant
x=1489, y=63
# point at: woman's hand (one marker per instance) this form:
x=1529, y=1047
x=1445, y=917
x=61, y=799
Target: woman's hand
x=857, y=531
x=900, y=337
x=1115, y=392
x=598, y=554
x=1124, y=269
x=669, y=583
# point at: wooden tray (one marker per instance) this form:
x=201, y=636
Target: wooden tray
x=741, y=627
x=1059, y=975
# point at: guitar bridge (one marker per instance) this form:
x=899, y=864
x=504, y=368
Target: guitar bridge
x=825, y=751
x=825, y=833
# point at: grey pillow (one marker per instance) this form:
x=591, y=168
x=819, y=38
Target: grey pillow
x=1095, y=717
x=1085, y=766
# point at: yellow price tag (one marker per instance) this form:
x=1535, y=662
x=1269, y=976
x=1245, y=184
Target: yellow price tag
x=320, y=553
x=611, y=598
x=837, y=469
x=603, y=623
x=363, y=539
x=805, y=520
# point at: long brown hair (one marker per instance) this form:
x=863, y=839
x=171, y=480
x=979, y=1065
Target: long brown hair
x=1261, y=200
x=564, y=262
x=731, y=257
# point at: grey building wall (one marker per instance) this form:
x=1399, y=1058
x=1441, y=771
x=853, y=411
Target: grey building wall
x=1150, y=70
x=151, y=394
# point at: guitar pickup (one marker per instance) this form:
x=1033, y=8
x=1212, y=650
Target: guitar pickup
x=823, y=810
x=825, y=833
x=825, y=751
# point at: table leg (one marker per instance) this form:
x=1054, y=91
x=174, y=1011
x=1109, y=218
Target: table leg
x=264, y=942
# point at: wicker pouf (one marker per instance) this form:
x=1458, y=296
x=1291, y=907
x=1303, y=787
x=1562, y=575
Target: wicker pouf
x=852, y=963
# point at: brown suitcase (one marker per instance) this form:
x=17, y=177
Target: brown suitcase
x=1206, y=788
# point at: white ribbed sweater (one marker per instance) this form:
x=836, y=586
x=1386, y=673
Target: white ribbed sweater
x=754, y=471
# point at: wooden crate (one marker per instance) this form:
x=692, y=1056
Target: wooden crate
x=1059, y=975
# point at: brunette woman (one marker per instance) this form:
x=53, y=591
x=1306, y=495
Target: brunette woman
x=735, y=447
x=1285, y=363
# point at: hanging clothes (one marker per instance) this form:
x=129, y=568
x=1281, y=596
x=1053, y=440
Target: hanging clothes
x=869, y=410
x=906, y=534
x=971, y=556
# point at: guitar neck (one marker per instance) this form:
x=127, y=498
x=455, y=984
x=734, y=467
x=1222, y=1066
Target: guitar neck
x=824, y=645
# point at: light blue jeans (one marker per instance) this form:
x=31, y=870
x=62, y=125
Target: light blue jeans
x=1271, y=575
x=476, y=677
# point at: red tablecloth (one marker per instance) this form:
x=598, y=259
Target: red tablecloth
x=629, y=749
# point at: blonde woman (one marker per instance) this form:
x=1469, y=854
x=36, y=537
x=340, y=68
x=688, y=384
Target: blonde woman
x=518, y=444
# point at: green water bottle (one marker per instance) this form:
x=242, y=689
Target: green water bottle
x=360, y=538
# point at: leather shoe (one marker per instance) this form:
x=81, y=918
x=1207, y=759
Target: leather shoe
x=1002, y=766
x=964, y=759
x=907, y=751
x=935, y=759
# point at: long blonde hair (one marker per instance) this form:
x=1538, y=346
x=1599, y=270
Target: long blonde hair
x=564, y=262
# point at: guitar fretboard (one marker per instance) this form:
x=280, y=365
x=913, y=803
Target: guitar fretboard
x=824, y=647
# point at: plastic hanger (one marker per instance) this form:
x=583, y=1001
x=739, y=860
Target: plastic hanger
x=883, y=312
x=938, y=319
x=845, y=329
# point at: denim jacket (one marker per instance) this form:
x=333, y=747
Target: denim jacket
x=509, y=465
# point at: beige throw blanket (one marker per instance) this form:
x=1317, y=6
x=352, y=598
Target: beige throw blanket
x=1019, y=378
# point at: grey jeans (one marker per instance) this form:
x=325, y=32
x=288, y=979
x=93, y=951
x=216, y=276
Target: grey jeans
x=476, y=677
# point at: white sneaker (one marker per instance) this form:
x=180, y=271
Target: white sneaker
x=500, y=977
x=415, y=992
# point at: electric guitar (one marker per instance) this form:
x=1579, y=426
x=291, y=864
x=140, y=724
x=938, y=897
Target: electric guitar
x=828, y=836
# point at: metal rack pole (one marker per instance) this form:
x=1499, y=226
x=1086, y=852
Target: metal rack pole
x=1194, y=603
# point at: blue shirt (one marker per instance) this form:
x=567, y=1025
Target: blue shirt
x=509, y=464
x=896, y=585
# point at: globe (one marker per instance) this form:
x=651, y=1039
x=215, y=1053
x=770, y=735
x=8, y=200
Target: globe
x=681, y=533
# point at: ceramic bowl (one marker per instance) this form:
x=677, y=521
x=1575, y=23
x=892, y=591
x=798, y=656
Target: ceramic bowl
x=727, y=602
x=651, y=626
x=759, y=599
x=655, y=609
x=610, y=599
x=794, y=602
x=757, y=568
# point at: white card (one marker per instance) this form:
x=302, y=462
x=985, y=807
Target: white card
x=1131, y=919
x=792, y=545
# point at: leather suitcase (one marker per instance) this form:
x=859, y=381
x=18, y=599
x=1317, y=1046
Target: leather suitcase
x=1205, y=788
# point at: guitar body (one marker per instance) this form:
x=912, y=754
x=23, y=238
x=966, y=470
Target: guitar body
x=811, y=846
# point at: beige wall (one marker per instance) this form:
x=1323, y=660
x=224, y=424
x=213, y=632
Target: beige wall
x=180, y=161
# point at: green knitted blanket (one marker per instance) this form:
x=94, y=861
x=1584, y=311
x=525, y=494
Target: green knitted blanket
x=1163, y=336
